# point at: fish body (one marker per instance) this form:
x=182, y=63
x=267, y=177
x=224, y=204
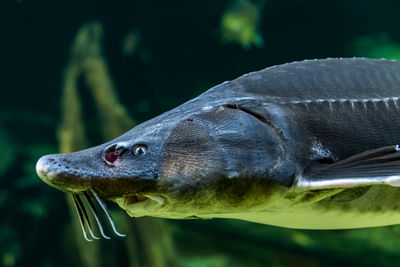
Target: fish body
x=309, y=144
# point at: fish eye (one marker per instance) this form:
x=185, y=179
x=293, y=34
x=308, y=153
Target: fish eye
x=139, y=150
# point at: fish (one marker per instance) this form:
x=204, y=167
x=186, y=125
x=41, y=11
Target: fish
x=308, y=145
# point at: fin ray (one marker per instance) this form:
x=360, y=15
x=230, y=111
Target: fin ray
x=376, y=166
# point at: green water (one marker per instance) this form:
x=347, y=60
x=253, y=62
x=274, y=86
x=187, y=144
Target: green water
x=158, y=54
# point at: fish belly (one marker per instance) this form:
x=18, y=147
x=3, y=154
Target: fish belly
x=312, y=219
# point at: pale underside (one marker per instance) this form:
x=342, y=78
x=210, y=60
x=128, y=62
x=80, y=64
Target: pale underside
x=330, y=209
x=314, y=219
x=359, y=191
x=325, y=209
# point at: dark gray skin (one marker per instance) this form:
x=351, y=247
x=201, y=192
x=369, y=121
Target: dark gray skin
x=309, y=144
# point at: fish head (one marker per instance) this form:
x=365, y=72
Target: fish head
x=214, y=160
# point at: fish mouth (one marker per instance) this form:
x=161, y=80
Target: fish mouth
x=141, y=205
x=134, y=199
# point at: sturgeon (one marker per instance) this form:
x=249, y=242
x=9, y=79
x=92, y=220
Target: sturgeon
x=310, y=145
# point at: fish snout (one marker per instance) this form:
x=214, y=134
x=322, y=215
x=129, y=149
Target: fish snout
x=44, y=169
x=52, y=171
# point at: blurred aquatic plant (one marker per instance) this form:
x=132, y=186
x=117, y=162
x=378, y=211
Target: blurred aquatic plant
x=376, y=46
x=130, y=43
x=240, y=23
x=147, y=236
x=87, y=55
x=22, y=200
x=10, y=253
x=71, y=132
x=6, y=144
x=265, y=245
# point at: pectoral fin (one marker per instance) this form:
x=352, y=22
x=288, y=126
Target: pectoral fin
x=377, y=166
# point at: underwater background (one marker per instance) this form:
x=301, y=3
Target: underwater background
x=77, y=73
